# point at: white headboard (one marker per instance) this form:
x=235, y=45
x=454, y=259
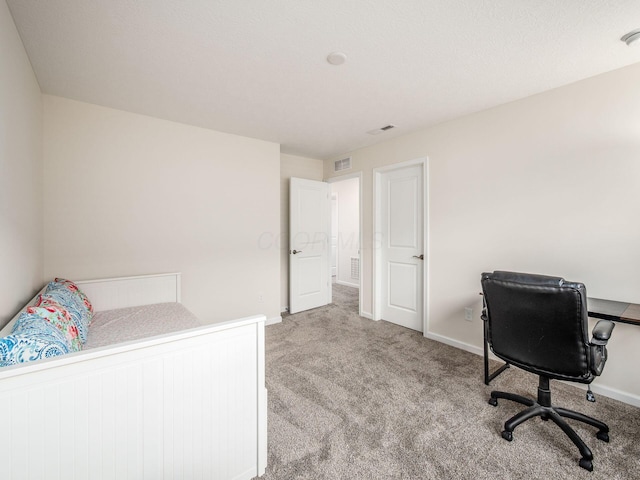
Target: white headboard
x=121, y=292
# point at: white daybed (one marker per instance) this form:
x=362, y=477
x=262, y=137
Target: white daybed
x=185, y=405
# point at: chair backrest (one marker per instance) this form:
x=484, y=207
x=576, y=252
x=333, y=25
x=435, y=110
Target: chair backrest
x=538, y=323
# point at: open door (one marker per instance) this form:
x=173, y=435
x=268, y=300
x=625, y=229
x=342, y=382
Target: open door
x=309, y=244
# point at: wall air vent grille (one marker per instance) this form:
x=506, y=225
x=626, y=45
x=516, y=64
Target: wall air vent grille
x=355, y=268
x=343, y=164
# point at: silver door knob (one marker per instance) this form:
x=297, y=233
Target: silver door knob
x=296, y=251
x=421, y=257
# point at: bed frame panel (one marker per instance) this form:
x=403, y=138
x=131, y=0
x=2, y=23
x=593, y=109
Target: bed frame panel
x=110, y=293
x=186, y=405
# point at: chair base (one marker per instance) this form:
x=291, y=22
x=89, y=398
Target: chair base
x=543, y=409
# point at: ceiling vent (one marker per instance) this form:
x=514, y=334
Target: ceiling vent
x=343, y=164
x=378, y=131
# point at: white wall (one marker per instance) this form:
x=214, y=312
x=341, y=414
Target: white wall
x=548, y=184
x=20, y=173
x=128, y=194
x=348, y=226
x=299, y=167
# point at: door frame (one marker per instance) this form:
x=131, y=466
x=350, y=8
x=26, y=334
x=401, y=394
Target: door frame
x=334, y=198
x=341, y=178
x=377, y=222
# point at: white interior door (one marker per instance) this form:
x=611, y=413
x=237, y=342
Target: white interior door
x=402, y=244
x=309, y=244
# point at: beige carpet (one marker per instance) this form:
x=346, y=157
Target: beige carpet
x=350, y=398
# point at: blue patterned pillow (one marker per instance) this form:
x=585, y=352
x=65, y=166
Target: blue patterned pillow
x=81, y=300
x=32, y=338
x=73, y=288
x=79, y=312
x=33, y=323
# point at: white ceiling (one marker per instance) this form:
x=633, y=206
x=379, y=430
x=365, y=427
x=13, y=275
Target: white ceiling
x=258, y=68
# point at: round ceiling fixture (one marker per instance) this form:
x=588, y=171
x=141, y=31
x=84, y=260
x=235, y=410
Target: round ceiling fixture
x=336, y=58
x=632, y=38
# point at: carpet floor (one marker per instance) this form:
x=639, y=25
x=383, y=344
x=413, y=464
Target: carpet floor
x=350, y=398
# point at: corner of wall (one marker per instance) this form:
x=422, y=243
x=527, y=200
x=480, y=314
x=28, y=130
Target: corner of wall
x=21, y=237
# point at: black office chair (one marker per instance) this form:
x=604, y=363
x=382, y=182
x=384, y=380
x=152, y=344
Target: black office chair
x=539, y=323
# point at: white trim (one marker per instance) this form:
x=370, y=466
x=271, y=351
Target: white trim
x=347, y=284
x=610, y=392
x=366, y=315
x=273, y=320
x=467, y=347
x=340, y=178
x=334, y=198
x=628, y=398
x=377, y=285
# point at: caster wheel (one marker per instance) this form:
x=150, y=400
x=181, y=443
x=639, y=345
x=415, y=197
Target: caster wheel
x=544, y=417
x=493, y=401
x=604, y=436
x=586, y=464
x=508, y=436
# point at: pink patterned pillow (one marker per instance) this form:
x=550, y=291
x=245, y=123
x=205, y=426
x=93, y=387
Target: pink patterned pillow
x=58, y=316
x=74, y=288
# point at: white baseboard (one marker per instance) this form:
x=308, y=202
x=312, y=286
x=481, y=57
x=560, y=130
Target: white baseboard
x=366, y=315
x=347, y=284
x=610, y=392
x=273, y=320
x=454, y=343
x=284, y=310
x=604, y=390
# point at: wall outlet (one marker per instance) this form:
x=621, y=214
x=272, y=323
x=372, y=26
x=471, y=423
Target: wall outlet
x=260, y=297
x=468, y=314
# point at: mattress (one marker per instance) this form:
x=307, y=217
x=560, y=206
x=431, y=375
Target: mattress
x=133, y=323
